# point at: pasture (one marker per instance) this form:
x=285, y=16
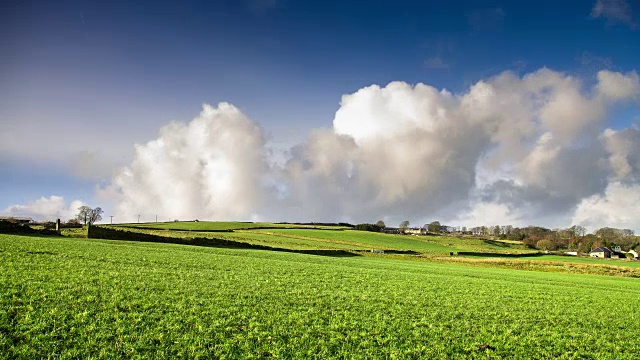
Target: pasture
x=79, y=298
x=291, y=236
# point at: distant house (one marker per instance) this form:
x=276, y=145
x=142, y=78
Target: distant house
x=415, y=231
x=617, y=253
x=601, y=252
x=634, y=253
x=17, y=219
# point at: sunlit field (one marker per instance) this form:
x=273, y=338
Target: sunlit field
x=80, y=298
x=322, y=237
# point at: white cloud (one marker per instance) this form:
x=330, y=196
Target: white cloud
x=614, y=11
x=488, y=214
x=624, y=153
x=617, y=207
x=518, y=148
x=209, y=168
x=616, y=86
x=45, y=209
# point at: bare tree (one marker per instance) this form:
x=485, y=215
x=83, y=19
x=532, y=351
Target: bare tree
x=87, y=215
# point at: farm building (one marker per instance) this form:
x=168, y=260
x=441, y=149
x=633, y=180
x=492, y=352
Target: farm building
x=416, y=231
x=17, y=219
x=634, y=253
x=601, y=252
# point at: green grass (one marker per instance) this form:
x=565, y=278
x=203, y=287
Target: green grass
x=276, y=240
x=362, y=239
x=79, y=298
x=323, y=237
x=587, y=260
x=425, y=244
x=254, y=237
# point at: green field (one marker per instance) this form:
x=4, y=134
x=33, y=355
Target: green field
x=306, y=237
x=593, y=261
x=428, y=244
x=79, y=298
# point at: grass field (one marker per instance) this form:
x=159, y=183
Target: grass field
x=547, y=258
x=79, y=298
x=429, y=244
x=322, y=237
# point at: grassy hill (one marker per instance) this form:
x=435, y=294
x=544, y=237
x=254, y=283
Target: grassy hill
x=291, y=236
x=81, y=298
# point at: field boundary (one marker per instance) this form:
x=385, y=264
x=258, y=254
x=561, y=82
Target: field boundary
x=7, y=227
x=100, y=232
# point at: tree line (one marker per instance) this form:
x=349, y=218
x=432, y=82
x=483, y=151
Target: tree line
x=574, y=238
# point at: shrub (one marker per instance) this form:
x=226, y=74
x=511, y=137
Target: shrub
x=545, y=244
x=368, y=227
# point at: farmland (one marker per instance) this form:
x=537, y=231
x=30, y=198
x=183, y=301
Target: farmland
x=468, y=250
x=79, y=298
x=294, y=236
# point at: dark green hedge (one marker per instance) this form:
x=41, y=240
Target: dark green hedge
x=8, y=227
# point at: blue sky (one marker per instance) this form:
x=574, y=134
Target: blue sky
x=101, y=76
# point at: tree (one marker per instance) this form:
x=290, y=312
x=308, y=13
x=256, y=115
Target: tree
x=507, y=230
x=404, y=224
x=434, y=227
x=578, y=231
x=545, y=244
x=381, y=224
x=87, y=215
x=497, y=230
x=73, y=222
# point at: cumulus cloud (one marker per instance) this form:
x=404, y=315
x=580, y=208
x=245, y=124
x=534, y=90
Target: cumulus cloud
x=517, y=148
x=617, y=207
x=616, y=86
x=614, y=11
x=624, y=153
x=209, y=168
x=45, y=209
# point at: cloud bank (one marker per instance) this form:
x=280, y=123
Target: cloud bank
x=208, y=168
x=45, y=209
x=525, y=149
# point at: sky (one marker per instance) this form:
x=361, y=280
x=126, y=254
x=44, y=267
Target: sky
x=467, y=112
